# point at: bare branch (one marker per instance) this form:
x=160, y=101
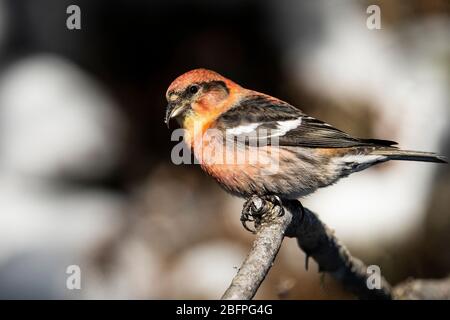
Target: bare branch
x=315, y=239
x=254, y=269
x=319, y=242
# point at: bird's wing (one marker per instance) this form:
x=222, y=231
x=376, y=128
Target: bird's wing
x=259, y=117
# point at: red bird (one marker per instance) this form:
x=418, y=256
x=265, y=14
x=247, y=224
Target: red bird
x=304, y=154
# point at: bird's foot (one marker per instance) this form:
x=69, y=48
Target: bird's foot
x=258, y=209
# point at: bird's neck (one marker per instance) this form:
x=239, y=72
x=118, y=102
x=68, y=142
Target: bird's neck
x=196, y=124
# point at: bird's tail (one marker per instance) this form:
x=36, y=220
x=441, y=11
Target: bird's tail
x=397, y=154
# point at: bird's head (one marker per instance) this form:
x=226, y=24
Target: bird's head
x=198, y=93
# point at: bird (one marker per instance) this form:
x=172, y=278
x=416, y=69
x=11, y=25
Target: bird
x=304, y=153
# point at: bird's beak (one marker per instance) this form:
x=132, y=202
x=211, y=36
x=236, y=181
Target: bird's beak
x=172, y=111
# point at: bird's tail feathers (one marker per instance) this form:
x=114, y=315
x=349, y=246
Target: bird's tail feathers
x=397, y=154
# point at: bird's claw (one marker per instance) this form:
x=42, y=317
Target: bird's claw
x=259, y=208
x=248, y=213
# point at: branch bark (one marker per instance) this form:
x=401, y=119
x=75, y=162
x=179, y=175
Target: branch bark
x=255, y=267
x=319, y=242
x=316, y=240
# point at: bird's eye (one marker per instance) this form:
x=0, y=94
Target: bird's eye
x=193, y=89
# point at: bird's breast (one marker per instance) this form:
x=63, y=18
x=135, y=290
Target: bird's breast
x=241, y=169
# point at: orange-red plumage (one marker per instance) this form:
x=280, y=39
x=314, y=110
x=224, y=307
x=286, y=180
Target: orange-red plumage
x=197, y=75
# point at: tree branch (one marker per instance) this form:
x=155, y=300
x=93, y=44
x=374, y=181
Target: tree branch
x=315, y=239
x=319, y=242
x=255, y=267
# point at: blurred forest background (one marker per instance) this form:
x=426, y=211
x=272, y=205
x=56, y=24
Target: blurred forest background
x=85, y=170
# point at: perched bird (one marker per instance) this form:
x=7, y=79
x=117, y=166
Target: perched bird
x=308, y=154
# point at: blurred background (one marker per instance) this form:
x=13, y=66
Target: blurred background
x=85, y=171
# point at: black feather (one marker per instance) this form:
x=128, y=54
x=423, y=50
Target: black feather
x=311, y=133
